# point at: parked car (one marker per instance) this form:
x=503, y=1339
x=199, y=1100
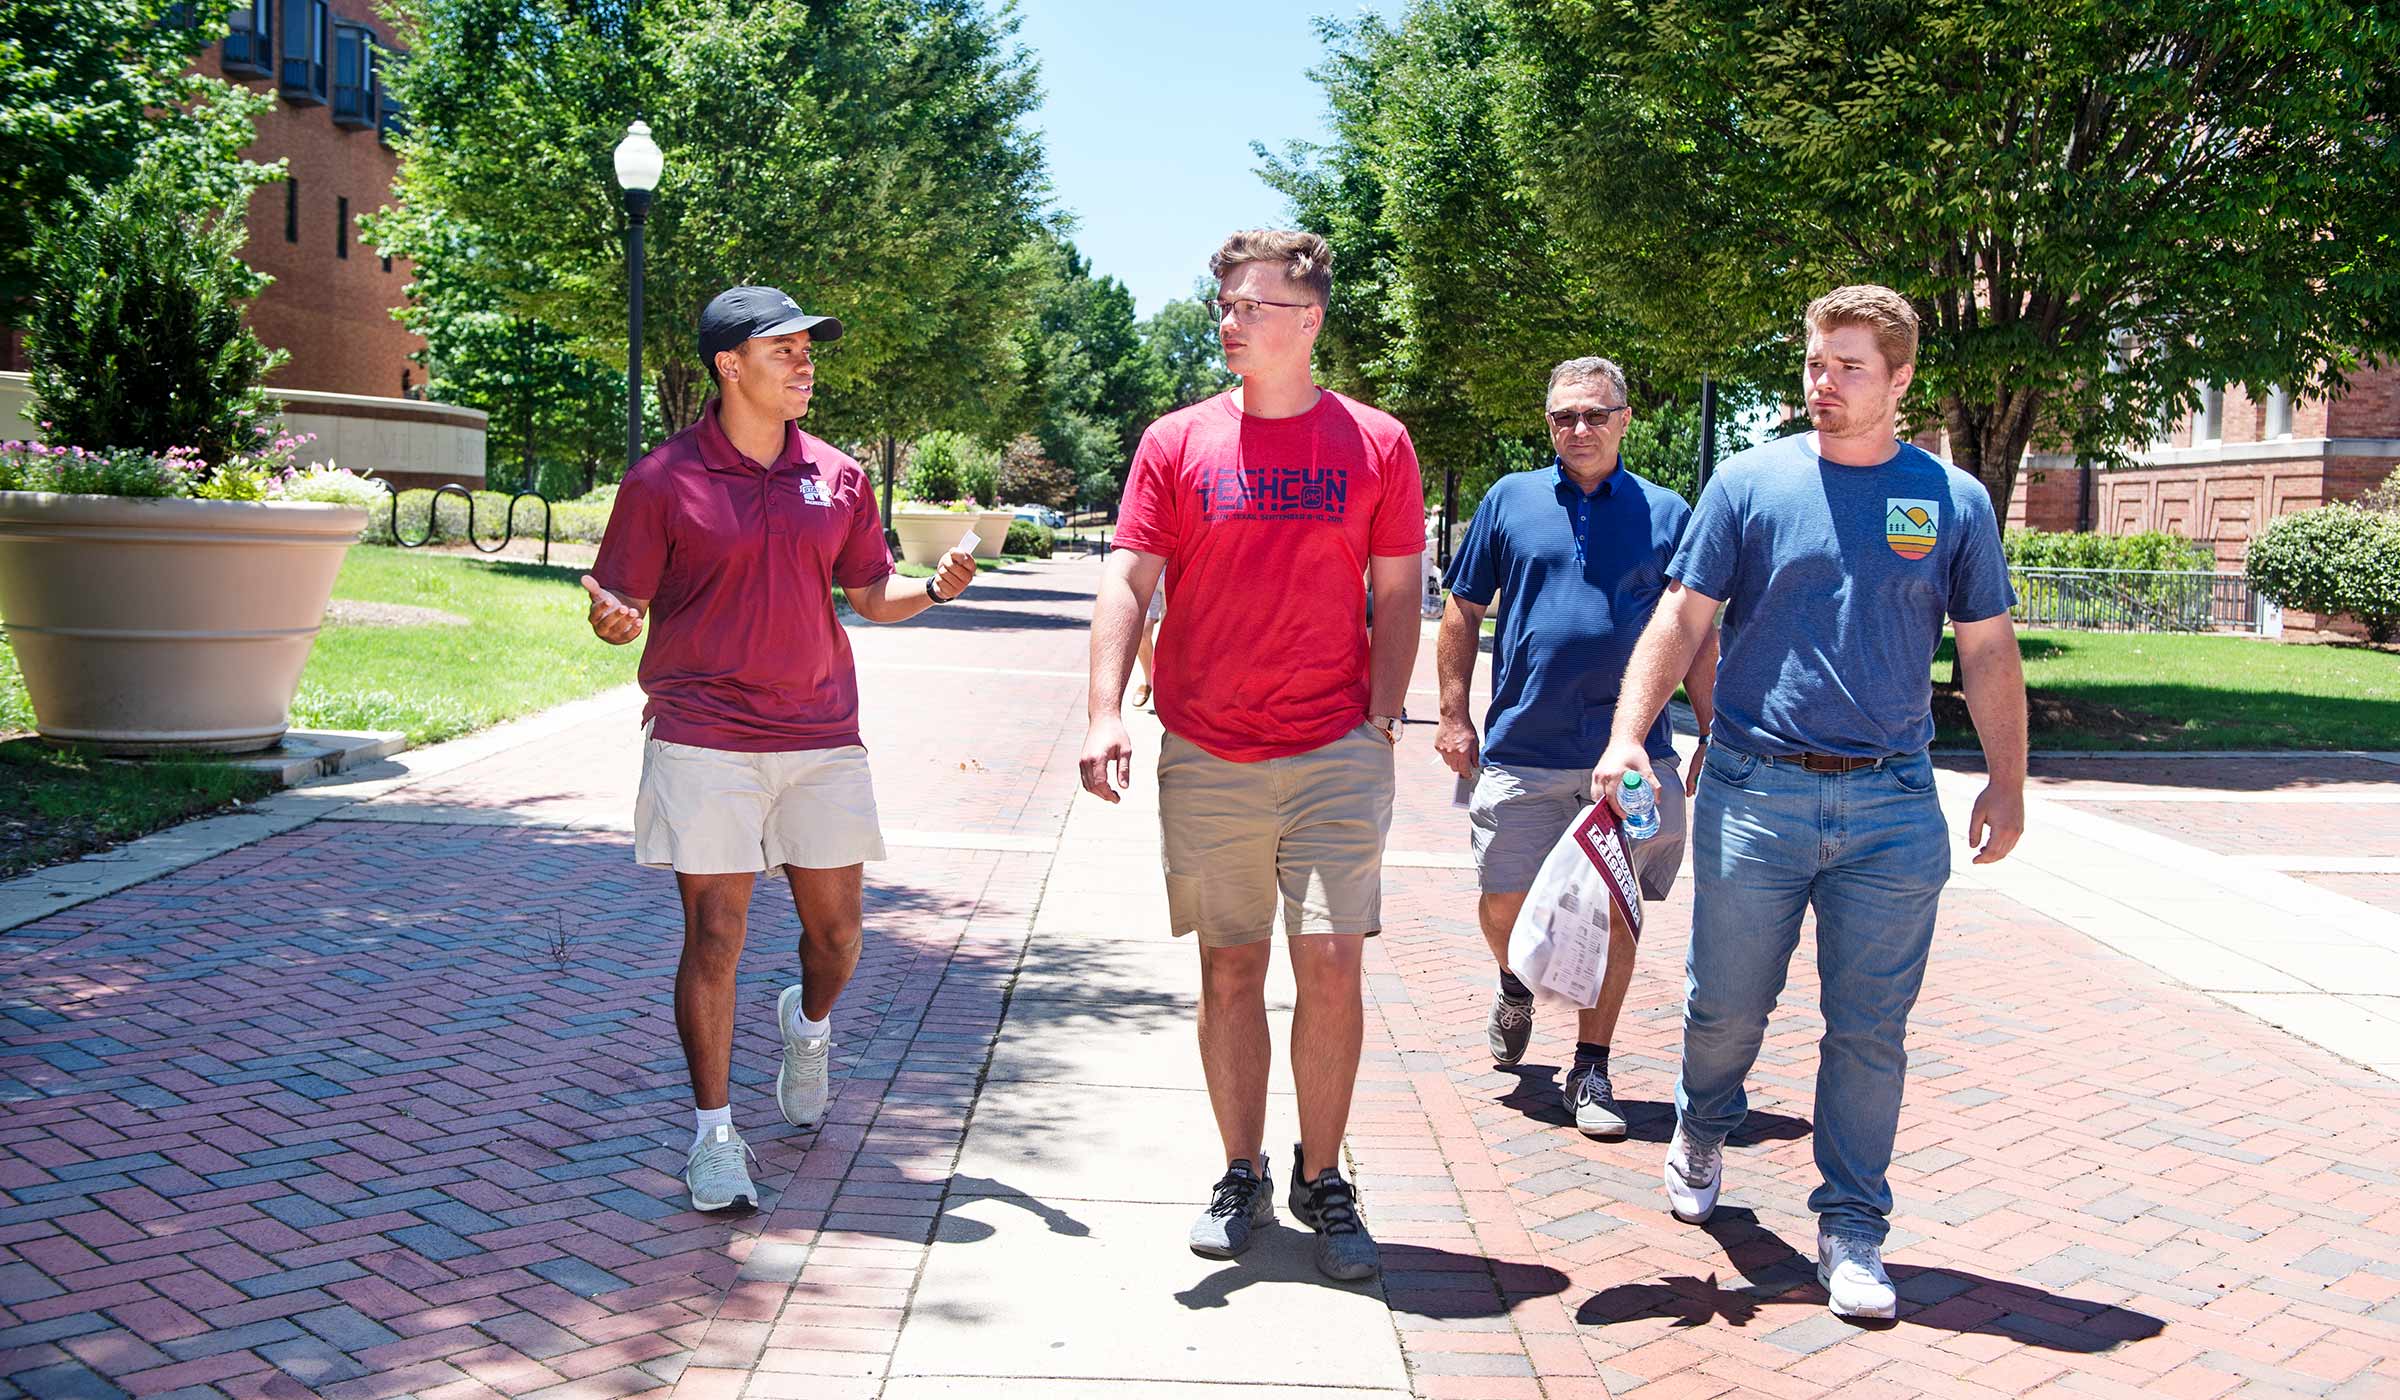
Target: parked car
x=1042, y=515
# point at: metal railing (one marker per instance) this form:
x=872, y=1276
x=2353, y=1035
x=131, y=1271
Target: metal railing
x=508, y=523
x=2137, y=600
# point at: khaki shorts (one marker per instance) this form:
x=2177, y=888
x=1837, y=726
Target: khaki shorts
x=1519, y=813
x=717, y=812
x=1302, y=834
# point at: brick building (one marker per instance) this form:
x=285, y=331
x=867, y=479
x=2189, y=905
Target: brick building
x=330, y=303
x=2228, y=468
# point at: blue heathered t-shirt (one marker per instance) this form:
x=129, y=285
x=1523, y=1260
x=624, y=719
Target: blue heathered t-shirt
x=1577, y=577
x=1835, y=581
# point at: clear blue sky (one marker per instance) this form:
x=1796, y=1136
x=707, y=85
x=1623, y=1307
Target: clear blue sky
x=1148, y=114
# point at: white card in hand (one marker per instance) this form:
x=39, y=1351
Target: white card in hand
x=971, y=543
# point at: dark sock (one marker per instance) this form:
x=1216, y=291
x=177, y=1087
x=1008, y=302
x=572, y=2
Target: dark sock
x=1513, y=989
x=1587, y=1053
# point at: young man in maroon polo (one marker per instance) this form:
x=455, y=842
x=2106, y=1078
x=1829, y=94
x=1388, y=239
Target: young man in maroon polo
x=1263, y=509
x=730, y=537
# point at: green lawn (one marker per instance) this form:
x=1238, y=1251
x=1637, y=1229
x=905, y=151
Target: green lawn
x=2119, y=690
x=525, y=646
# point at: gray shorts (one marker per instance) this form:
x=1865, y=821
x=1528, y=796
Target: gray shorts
x=1518, y=814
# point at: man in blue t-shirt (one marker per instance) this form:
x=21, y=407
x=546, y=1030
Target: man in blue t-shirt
x=1836, y=554
x=1577, y=556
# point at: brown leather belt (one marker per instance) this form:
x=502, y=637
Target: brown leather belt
x=1825, y=762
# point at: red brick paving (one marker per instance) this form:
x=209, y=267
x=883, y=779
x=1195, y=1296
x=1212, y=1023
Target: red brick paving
x=339, y=1114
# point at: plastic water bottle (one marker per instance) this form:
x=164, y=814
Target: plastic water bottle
x=1641, y=807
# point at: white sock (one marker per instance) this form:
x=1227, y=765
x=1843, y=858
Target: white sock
x=807, y=1029
x=708, y=1120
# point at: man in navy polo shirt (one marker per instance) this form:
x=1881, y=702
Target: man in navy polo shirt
x=1577, y=557
x=730, y=537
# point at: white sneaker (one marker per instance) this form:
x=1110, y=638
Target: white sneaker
x=804, y=1081
x=716, y=1173
x=1851, y=1271
x=1693, y=1175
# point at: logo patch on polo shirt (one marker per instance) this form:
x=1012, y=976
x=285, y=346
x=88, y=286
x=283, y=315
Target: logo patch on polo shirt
x=1910, y=526
x=812, y=490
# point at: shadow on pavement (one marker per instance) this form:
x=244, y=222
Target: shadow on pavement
x=1536, y=1095
x=1419, y=1280
x=1776, y=1284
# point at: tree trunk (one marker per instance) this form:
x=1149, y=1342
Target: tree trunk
x=680, y=396
x=1989, y=439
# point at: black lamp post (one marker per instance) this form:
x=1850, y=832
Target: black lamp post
x=639, y=165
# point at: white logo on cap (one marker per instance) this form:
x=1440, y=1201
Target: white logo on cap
x=787, y=301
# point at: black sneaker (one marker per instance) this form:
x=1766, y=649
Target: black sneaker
x=1511, y=1028
x=1328, y=1206
x=1243, y=1198
x=1593, y=1100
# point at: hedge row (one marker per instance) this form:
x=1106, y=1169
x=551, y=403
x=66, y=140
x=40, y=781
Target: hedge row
x=577, y=521
x=2156, y=549
x=2339, y=560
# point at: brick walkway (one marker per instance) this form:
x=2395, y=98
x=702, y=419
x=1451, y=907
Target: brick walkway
x=391, y=1105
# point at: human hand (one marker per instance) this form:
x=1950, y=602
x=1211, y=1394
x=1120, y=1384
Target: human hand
x=955, y=573
x=1107, y=755
x=612, y=621
x=1996, y=823
x=1622, y=756
x=1455, y=741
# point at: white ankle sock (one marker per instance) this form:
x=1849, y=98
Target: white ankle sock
x=807, y=1029
x=708, y=1120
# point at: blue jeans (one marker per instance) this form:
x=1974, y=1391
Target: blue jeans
x=1870, y=851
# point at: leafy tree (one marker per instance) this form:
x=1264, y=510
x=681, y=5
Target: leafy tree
x=869, y=157
x=137, y=338
x=1029, y=477
x=91, y=88
x=2095, y=207
x=1182, y=342
x=1087, y=384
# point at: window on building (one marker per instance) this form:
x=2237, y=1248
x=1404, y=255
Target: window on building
x=2279, y=412
x=353, y=76
x=291, y=208
x=387, y=262
x=341, y=245
x=250, y=47
x=392, y=123
x=2208, y=425
x=307, y=38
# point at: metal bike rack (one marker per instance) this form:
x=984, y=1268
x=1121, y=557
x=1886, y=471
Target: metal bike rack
x=508, y=523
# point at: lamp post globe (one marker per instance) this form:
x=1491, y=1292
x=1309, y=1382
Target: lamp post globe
x=639, y=164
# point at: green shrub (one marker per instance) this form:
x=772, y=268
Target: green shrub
x=937, y=466
x=2155, y=549
x=1029, y=539
x=136, y=337
x=2384, y=495
x=2338, y=560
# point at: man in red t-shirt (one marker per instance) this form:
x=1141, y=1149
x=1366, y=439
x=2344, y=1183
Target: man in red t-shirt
x=731, y=537
x=1263, y=509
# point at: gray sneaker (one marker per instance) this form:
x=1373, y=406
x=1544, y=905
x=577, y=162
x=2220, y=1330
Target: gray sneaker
x=1243, y=1199
x=1593, y=1100
x=804, y=1081
x=1328, y=1206
x=1511, y=1028
x=717, y=1174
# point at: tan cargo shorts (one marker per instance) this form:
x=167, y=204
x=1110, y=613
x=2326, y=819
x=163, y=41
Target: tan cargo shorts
x=1302, y=835
x=718, y=812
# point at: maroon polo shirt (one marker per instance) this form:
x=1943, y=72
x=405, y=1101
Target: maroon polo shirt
x=739, y=562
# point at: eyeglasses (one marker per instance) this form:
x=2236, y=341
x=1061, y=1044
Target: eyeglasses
x=1246, y=309
x=1565, y=419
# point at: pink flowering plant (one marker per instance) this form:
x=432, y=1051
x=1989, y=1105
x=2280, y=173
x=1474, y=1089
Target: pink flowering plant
x=270, y=472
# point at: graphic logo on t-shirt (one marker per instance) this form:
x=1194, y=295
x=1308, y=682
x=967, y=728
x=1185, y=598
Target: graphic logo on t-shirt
x=1274, y=493
x=1909, y=526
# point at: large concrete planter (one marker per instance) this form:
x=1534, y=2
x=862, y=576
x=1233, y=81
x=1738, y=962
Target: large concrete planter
x=147, y=626
x=927, y=535
x=991, y=532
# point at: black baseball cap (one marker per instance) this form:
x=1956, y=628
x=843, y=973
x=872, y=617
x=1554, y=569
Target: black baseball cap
x=738, y=313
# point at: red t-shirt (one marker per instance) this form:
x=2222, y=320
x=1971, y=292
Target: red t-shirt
x=738, y=562
x=1266, y=525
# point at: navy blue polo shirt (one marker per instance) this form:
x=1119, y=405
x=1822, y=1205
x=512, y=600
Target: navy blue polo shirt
x=1577, y=576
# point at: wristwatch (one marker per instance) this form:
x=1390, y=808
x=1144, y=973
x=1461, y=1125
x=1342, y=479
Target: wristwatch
x=934, y=593
x=1389, y=724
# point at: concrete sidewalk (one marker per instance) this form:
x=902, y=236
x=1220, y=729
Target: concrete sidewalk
x=390, y=1104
